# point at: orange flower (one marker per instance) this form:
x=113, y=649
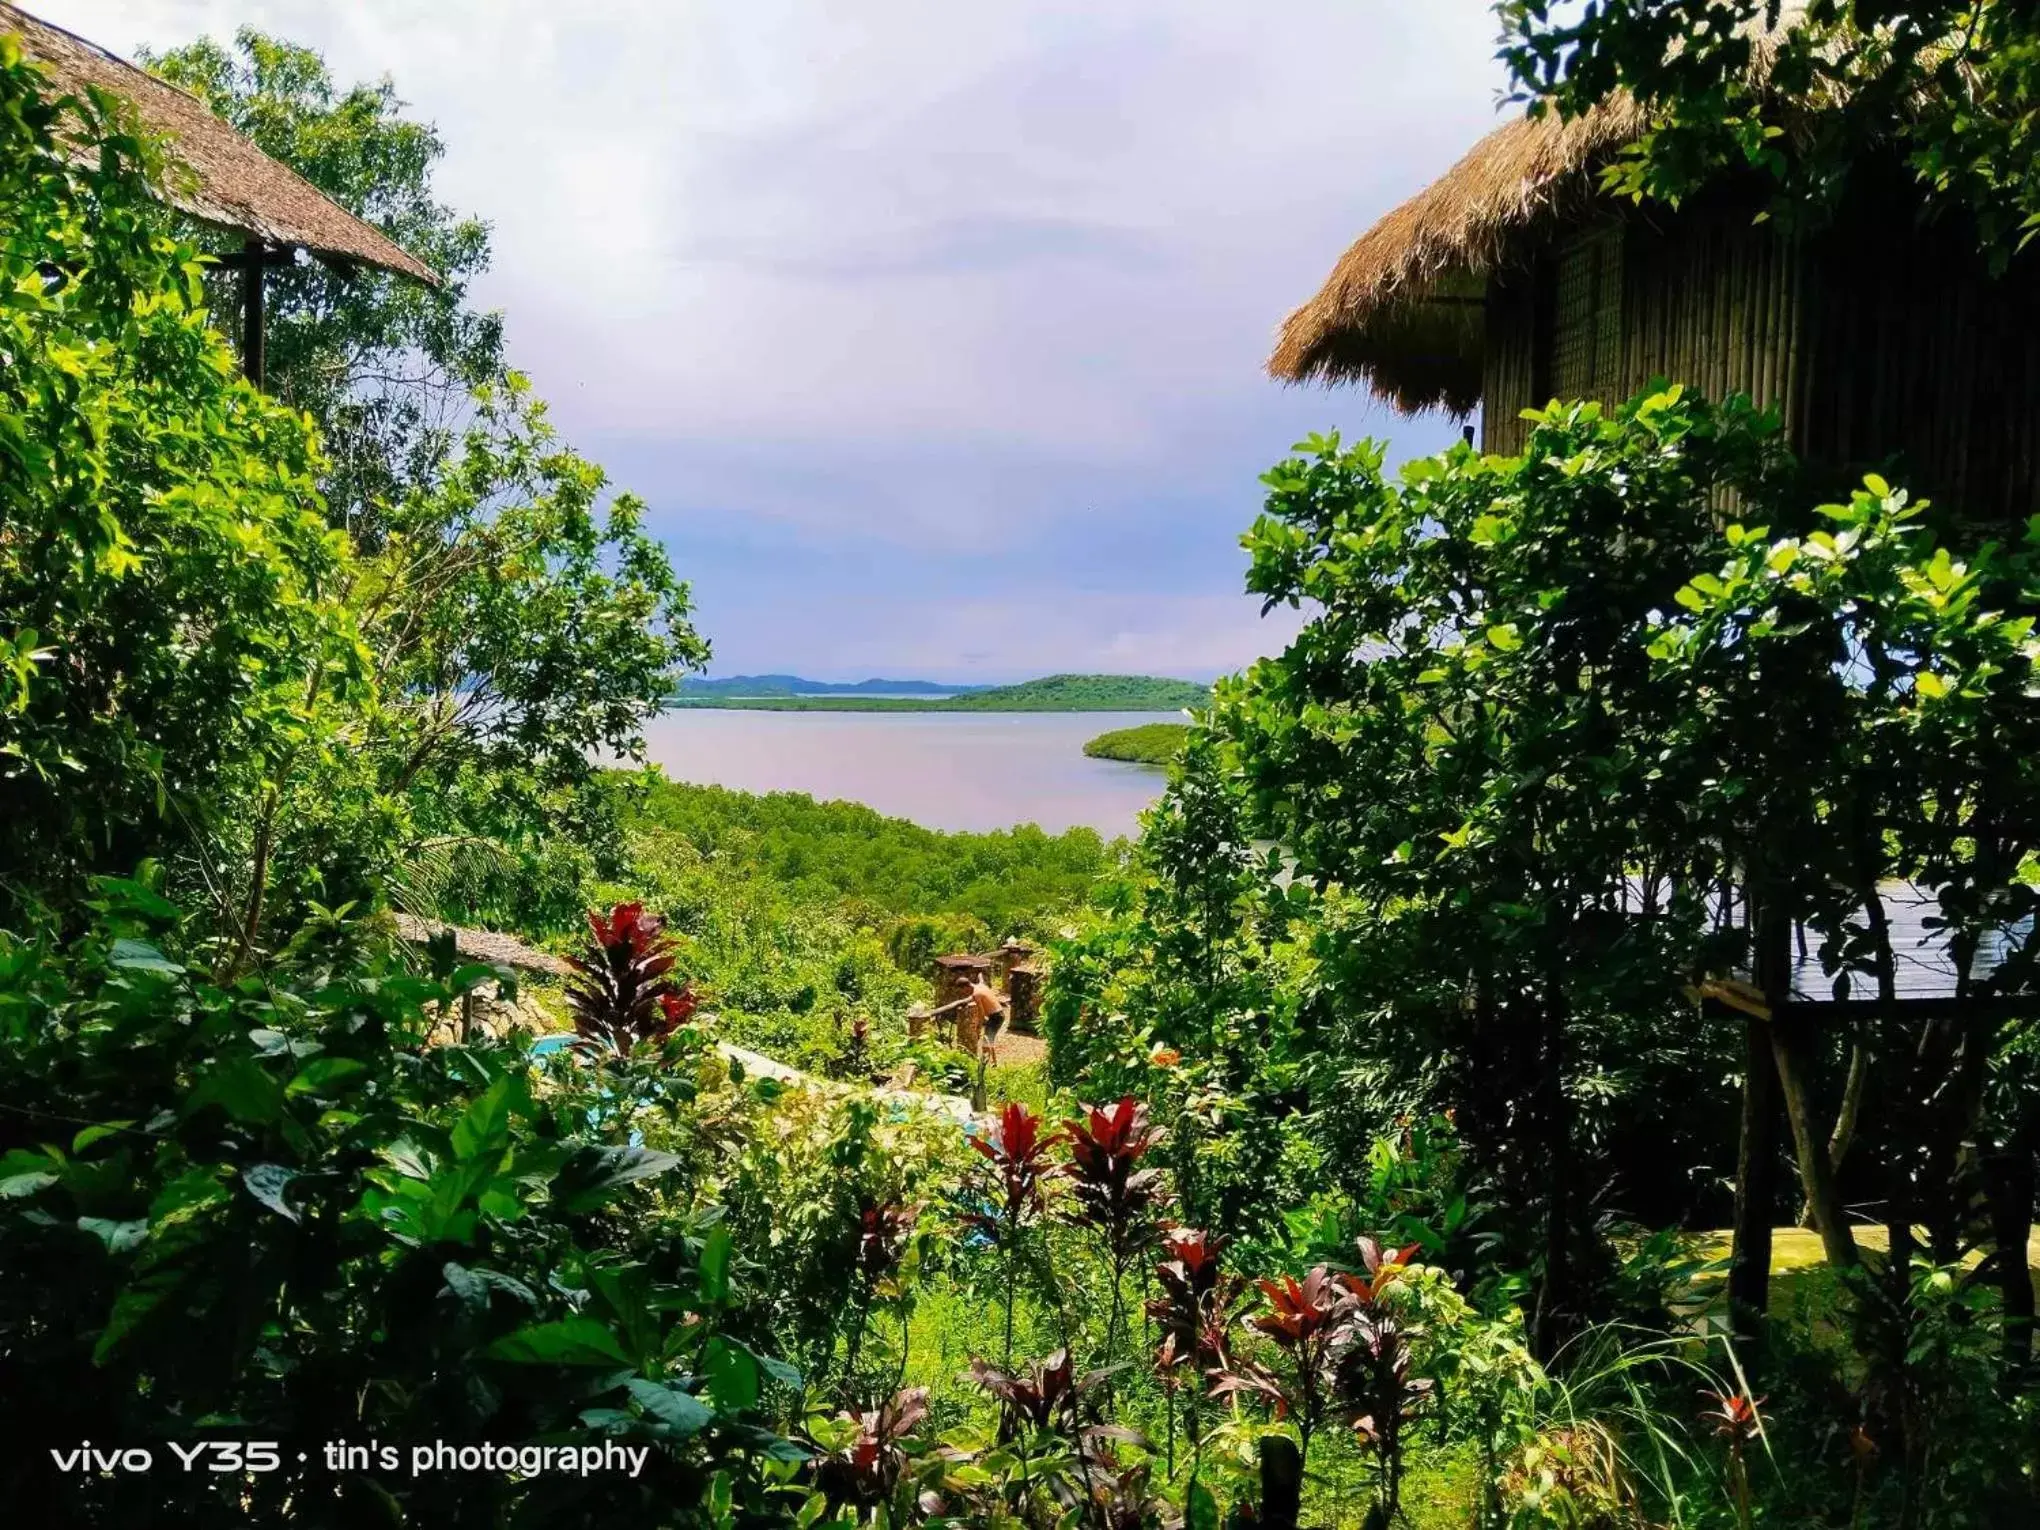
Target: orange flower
x=1164, y=1057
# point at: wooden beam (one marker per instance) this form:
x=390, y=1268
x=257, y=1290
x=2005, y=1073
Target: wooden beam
x=255, y=252
x=1745, y=998
x=1748, y=999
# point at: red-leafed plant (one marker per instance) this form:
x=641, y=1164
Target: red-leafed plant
x=1736, y=1420
x=622, y=992
x=1372, y=1359
x=1195, y=1314
x=1021, y=1169
x=1046, y=1395
x=1077, y=1471
x=862, y=1455
x=1114, y=1195
x=1303, y=1319
x=883, y=1230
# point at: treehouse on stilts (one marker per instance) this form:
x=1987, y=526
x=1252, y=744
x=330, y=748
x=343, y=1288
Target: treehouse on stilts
x=1883, y=341
x=217, y=177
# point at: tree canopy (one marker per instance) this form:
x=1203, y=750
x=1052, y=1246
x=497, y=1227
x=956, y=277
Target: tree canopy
x=1811, y=95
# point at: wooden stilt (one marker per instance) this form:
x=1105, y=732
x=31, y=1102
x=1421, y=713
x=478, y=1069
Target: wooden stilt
x=252, y=317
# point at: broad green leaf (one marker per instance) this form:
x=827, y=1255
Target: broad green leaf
x=321, y=1073
x=567, y=1341
x=593, y=1174
x=240, y=1087
x=100, y=1133
x=267, y=1183
x=732, y=1373
x=680, y=1412
x=140, y=956
x=119, y=1237
x=715, y=1264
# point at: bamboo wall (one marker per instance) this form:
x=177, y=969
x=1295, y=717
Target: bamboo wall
x=1882, y=345
x=1509, y=375
x=1924, y=367
x=1705, y=299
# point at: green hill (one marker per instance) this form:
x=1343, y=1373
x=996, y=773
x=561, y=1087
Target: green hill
x=1148, y=744
x=1086, y=693
x=1053, y=693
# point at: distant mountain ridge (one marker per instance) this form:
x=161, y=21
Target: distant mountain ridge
x=795, y=685
x=1051, y=693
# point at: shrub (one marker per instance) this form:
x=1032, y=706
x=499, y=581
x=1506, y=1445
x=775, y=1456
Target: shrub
x=272, y=1204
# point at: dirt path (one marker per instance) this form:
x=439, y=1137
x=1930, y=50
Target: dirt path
x=1021, y=1051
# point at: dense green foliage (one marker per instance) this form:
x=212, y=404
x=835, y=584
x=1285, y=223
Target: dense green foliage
x=1943, y=87
x=1087, y=693
x=801, y=917
x=1054, y=693
x=514, y=617
x=265, y=1211
x=170, y=594
x=1547, y=710
x=1012, y=881
x=1148, y=744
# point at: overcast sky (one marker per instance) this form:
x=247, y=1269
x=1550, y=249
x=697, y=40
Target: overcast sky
x=931, y=331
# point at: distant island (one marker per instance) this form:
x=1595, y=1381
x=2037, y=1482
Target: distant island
x=1053, y=693
x=753, y=686
x=1149, y=744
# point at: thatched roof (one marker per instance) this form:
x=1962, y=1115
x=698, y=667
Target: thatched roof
x=225, y=180
x=1401, y=309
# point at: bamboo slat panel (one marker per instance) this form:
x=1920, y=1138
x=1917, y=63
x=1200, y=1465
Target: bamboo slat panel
x=1884, y=345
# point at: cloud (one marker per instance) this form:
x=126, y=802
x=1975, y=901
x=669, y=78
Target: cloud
x=915, y=286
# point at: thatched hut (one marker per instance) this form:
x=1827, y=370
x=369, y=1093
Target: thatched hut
x=1882, y=340
x=218, y=177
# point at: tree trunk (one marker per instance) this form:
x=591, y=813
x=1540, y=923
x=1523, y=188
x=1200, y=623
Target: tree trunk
x=1756, y=1185
x=1844, y=1134
x=1792, y=1052
x=1554, y=1295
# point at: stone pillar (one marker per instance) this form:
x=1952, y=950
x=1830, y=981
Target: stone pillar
x=1010, y=955
x=955, y=974
x=1023, y=998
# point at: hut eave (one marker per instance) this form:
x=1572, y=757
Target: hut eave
x=218, y=176
x=1400, y=311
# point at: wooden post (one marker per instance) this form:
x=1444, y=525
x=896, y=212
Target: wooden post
x=970, y=1029
x=2008, y=1191
x=1756, y=1185
x=1791, y=1052
x=1281, y=1482
x=254, y=259
x=1010, y=955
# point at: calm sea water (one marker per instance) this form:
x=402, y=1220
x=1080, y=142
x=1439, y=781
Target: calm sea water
x=948, y=770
